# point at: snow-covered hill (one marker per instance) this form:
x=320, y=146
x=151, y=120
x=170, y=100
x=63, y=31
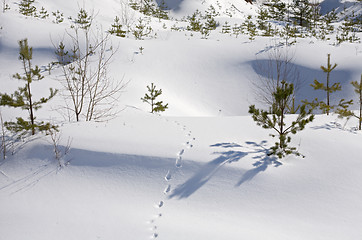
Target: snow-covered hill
x=198, y=171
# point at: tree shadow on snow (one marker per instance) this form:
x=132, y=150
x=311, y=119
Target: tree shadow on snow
x=233, y=154
x=262, y=161
x=171, y=4
x=266, y=69
x=336, y=126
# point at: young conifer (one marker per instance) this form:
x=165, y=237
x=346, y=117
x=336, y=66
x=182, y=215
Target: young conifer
x=195, y=23
x=141, y=30
x=302, y=11
x=277, y=10
x=116, y=28
x=276, y=120
x=26, y=7
x=358, y=89
x=23, y=98
x=43, y=13
x=328, y=88
x=343, y=111
x=84, y=20
x=226, y=28
x=156, y=106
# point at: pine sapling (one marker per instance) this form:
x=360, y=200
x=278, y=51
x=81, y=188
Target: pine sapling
x=343, y=110
x=116, y=28
x=327, y=87
x=150, y=98
x=23, y=98
x=276, y=120
x=26, y=7
x=358, y=89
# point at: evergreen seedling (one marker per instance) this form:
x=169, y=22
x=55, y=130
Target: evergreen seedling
x=142, y=30
x=302, y=11
x=343, y=111
x=358, y=89
x=26, y=7
x=58, y=17
x=327, y=87
x=210, y=24
x=150, y=98
x=23, y=98
x=277, y=10
x=116, y=28
x=195, y=23
x=276, y=120
x=43, y=13
x=226, y=28
x=84, y=20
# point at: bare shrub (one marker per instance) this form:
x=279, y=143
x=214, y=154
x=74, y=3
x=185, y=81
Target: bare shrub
x=276, y=68
x=90, y=94
x=59, y=151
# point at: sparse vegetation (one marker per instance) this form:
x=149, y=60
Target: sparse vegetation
x=150, y=98
x=277, y=120
x=23, y=97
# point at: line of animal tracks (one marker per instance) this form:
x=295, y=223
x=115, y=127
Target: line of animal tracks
x=168, y=179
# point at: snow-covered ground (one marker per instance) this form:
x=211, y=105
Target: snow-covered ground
x=198, y=171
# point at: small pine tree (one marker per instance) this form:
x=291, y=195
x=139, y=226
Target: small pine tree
x=277, y=10
x=161, y=11
x=116, y=28
x=84, y=20
x=211, y=12
x=26, y=7
x=62, y=55
x=195, y=23
x=347, y=31
x=43, y=13
x=358, y=89
x=23, y=98
x=263, y=16
x=276, y=120
x=237, y=30
x=226, y=28
x=326, y=107
x=59, y=17
x=156, y=106
x=134, y=5
x=142, y=30
x=250, y=27
x=302, y=11
x=210, y=24
x=343, y=110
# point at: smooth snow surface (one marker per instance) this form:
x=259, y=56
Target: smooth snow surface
x=198, y=171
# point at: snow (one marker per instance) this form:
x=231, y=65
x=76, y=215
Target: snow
x=199, y=170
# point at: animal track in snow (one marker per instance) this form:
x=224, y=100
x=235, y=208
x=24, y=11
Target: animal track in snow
x=167, y=189
x=168, y=176
x=178, y=162
x=181, y=152
x=160, y=204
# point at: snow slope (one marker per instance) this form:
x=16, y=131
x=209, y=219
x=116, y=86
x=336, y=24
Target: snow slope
x=224, y=186
x=199, y=171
